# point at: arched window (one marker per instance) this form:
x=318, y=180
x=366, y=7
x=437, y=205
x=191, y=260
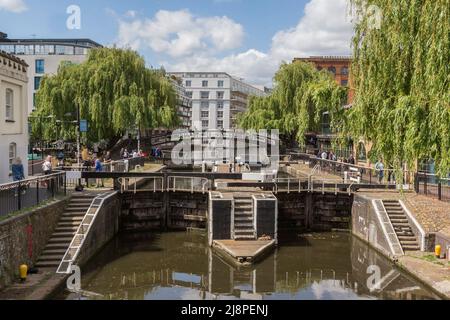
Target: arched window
x=9, y=106
x=362, y=154
x=12, y=154
x=332, y=70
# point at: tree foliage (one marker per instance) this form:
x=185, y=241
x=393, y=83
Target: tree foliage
x=401, y=76
x=115, y=93
x=300, y=97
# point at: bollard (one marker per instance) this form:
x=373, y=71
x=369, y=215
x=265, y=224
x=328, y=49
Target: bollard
x=437, y=251
x=23, y=270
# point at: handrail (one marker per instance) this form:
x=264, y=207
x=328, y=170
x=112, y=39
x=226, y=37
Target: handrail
x=80, y=235
x=14, y=184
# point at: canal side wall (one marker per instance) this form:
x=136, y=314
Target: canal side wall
x=367, y=227
x=163, y=211
x=103, y=229
x=23, y=237
x=313, y=211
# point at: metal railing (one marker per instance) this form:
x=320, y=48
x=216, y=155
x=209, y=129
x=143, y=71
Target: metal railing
x=189, y=184
x=365, y=174
x=82, y=232
x=432, y=186
x=152, y=184
x=125, y=165
x=24, y=194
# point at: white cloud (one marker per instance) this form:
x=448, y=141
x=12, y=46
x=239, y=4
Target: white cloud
x=325, y=29
x=16, y=6
x=198, y=44
x=180, y=34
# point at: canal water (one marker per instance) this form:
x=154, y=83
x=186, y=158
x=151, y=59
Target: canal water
x=182, y=266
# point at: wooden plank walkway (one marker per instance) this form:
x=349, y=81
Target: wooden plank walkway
x=244, y=252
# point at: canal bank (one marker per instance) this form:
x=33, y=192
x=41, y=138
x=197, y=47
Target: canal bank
x=189, y=211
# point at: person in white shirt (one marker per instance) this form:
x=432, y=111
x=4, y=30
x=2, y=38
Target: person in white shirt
x=47, y=165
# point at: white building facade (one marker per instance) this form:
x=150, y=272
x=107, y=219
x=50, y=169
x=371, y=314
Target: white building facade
x=44, y=56
x=217, y=98
x=13, y=114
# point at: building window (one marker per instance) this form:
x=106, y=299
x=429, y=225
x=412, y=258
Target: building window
x=344, y=83
x=332, y=70
x=12, y=155
x=220, y=124
x=220, y=105
x=205, y=84
x=344, y=71
x=204, y=95
x=205, y=114
x=40, y=66
x=205, y=123
x=220, y=83
x=204, y=104
x=220, y=95
x=219, y=114
x=9, y=107
x=188, y=83
x=37, y=82
x=189, y=94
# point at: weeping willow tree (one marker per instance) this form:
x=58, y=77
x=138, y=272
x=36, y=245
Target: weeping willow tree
x=401, y=75
x=114, y=91
x=301, y=95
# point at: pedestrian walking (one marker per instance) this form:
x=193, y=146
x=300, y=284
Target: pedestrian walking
x=379, y=167
x=99, y=168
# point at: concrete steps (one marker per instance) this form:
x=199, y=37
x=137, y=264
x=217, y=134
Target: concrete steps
x=65, y=230
x=244, y=218
x=401, y=225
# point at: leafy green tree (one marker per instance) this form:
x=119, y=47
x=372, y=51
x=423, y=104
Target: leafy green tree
x=114, y=91
x=401, y=75
x=296, y=106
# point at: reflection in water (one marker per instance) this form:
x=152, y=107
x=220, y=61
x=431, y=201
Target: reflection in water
x=182, y=266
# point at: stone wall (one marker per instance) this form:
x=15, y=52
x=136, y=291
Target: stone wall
x=313, y=211
x=103, y=229
x=366, y=226
x=161, y=211
x=23, y=238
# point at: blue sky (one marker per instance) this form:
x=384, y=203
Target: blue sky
x=248, y=38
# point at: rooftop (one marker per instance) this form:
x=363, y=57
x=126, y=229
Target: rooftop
x=80, y=41
x=11, y=57
x=325, y=58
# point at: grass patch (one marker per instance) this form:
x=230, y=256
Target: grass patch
x=432, y=258
x=29, y=209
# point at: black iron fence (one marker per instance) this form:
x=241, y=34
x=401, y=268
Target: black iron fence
x=432, y=186
x=20, y=195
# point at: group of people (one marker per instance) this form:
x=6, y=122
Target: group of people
x=379, y=166
x=156, y=152
x=125, y=154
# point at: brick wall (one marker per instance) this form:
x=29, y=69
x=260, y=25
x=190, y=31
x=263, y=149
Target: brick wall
x=22, y=238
